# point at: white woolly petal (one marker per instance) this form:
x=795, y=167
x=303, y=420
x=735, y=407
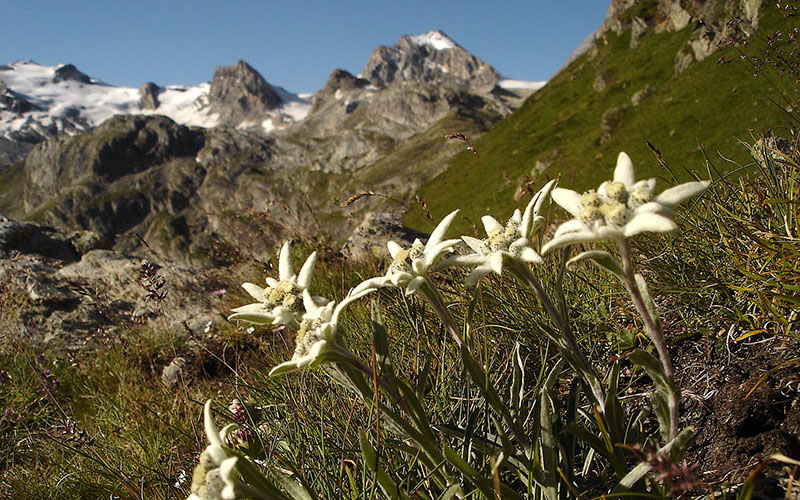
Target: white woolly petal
x=490, y=224
x=394, y=248
x=208, y=424
x=496, y=262
x=285, y=269
x=530, y=255
x=649, y=222
x=414, y=285
x=229, y=476
x=569, y=239
x=516, y=216
x=654, y=207
x=434, y=253
x=473, y=243
x=648, y=184
x=309, y=304
x=571, y=226
x=677, y=194
x=477, y=274
x=377, y=282
x=535, y=206
x=272, y=282
x=601, y=191
x=304, y=278
x=255, y=307
x=351, y=297
x=441, y=229
x=624, y=171
x=568, y=199
x=283, y=315
x=255, y=291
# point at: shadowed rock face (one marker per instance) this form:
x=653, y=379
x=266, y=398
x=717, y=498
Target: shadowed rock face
x=409, y=60
x=12, y=100
x=69, y=72
x=239, y=93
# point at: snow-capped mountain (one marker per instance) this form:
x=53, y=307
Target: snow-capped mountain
x=49, y=101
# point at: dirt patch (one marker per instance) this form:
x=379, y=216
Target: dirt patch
x=744, y=401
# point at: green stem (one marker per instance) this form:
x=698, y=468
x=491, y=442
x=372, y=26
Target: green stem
x=652, y=328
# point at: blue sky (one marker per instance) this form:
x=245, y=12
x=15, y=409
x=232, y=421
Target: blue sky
x=294, y=44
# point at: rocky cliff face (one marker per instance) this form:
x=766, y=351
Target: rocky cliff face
x=239, y=93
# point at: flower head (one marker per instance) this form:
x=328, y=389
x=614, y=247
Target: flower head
x=206, y=480
x=619, y=208
x=503, y=242
x=281, y=302
x=409, y=266
x=316, y=335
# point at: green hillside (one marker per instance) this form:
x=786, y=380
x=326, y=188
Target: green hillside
x=709, y=108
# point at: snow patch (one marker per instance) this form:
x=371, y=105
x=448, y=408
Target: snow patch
x=77, y=106
x=520, y=84
x=435, y=39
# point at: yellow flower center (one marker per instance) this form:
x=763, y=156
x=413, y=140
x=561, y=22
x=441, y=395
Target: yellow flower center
x=286, y=294
x=639, y=197
x=402, y=261
x=614, y=212
x=589, y=204
x=617, y=191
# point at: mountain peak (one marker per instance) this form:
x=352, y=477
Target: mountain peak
x=432, y=57
x=240, y=92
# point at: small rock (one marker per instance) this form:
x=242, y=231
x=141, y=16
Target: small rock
x=173, y=373
x=370, y=237
x=682, y=60
x=639, y=96
x=600, y=82
x=638, y=30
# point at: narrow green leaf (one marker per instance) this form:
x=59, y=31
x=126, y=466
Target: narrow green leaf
x=295, y=488
x=379, y=338
x=603, y=260
x=388, y=486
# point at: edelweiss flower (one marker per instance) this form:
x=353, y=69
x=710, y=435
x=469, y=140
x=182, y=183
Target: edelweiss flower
x=282, y=301
x=620, y=208
x=207, y=482
x=317, y=333
x=409, y=266
x=509, y=242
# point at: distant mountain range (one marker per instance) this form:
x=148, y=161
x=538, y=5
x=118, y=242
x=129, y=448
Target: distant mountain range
x=39, y=102
x=103, y=158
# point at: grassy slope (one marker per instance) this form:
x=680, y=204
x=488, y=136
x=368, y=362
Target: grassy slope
x=709, y=104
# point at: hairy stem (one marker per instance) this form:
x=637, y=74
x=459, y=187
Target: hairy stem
x=652, y=328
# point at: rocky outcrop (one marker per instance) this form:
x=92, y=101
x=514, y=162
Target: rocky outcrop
x=121, y=146
x=240, y=93
x=68, y=72
x=148, y=96
x=75, y=304
x=429, y=58
x=13, y=101
x=370, y=237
